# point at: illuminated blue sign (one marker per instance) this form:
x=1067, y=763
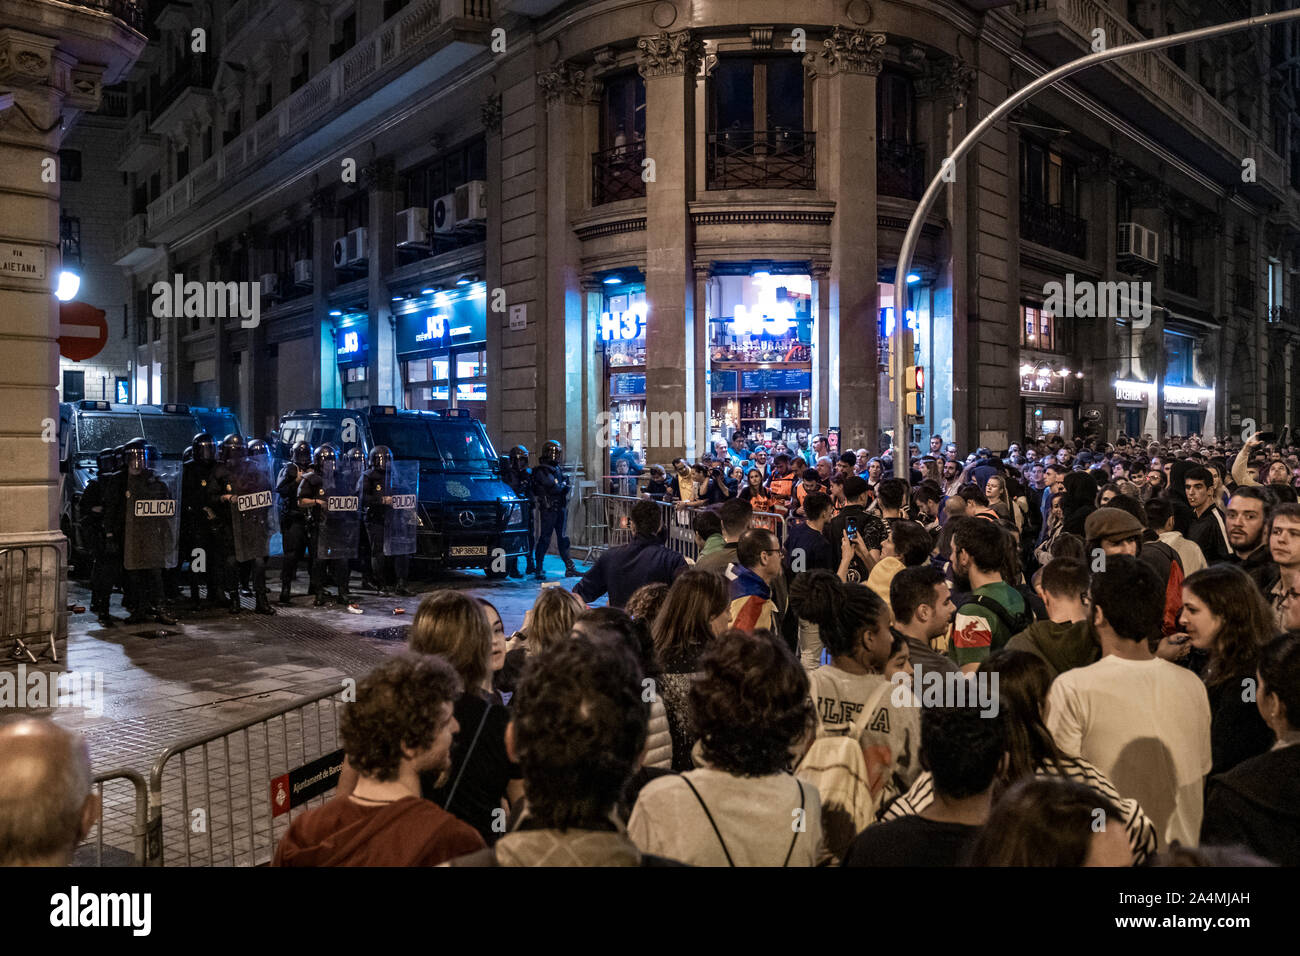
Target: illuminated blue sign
x=350, y=345
x=622, y=326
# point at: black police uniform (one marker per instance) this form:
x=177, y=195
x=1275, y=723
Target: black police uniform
x=551, y=492
x=199, y=530
x=293, y=529
x=374, y=488
x=312, y=487
x=520, y=480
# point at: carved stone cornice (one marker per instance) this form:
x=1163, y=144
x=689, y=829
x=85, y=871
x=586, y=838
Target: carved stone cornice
x=490, y=113
x=849, y=51
x=761, y=37
x=950, y=77
x=563, y=83
x=669, y=54
x=23, y=62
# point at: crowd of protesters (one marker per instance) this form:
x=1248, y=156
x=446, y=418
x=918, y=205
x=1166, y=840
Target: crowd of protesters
x=1064, y=654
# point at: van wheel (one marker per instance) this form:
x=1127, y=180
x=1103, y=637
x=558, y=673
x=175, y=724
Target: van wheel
x=494, y=575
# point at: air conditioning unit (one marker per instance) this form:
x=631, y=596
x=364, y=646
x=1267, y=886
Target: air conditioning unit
x=357, y=248
x=413, y=226
x=444, y=214
x=1138, y=244
x=269, y=283
x=471, y=202
x=302, y=272
x=341, y=251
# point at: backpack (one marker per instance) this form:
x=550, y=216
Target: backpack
x=1014, y=625
x=835, y=765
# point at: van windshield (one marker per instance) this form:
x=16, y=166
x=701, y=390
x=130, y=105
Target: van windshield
x=452, y=446
x=168, y=433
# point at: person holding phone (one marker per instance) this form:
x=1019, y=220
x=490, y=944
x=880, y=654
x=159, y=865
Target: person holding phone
x=865, y=526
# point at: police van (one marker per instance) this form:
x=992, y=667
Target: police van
x=87, y=427
x=468, y=516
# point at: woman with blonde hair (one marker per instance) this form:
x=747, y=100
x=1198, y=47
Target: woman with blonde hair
x=551, y=618
x=455, y=626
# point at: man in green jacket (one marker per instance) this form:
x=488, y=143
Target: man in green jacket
x=1064, y=641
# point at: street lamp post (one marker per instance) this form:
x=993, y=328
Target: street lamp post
x=898, y=360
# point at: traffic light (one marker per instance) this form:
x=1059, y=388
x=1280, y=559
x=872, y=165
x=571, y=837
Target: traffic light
x=914, y=389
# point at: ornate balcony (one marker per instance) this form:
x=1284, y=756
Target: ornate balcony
x=761, y=159
x=900, y=169
x=1053, y=227
x=616, y=173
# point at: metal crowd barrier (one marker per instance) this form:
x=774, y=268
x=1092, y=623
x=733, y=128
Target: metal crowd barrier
x=612, y=523
x=31, y=589
x=123, y=822
x=211, y=795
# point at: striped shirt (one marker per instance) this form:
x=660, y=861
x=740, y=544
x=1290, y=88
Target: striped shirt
x=1141, y=831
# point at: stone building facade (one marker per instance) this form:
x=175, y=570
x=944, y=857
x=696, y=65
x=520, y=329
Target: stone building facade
x=656, y=223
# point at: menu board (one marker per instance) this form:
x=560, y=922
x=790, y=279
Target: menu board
x=722, y=380
x=627, y=385
x=776, y=380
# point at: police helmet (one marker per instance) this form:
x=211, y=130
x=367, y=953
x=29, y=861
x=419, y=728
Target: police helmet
x=139, y=455
x=205, y=448
x=552, y=453
x=105, y=460
x=519, y=456
x=380, y=456
x=301, y=454
x=259, y=449
x=233, y=447
x=325, y=454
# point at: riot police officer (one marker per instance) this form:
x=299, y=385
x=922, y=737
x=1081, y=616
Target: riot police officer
x=551, y=492
x=376, y=507
x=99, y=533
x=242, y=502
x=293, y=520
x=519, y=477
x=197, y=519
x=152, y=526
x=333, y=530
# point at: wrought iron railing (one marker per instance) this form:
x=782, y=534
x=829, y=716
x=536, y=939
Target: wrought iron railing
x=616, y=173
x=900, y=169
x=192, y=72
x=761, y=159
x=1181, y=276
x=1053, y=227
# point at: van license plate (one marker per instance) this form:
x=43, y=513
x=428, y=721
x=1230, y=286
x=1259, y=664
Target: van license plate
x=469, y=551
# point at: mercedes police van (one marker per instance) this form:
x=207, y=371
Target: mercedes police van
x=88, y=426
x=468, y=516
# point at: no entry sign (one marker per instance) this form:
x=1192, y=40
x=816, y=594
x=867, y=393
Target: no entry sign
x=83, y=330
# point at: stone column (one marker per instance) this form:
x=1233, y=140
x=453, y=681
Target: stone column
x=497, y=322
x=53, y=60
x=324, y=370
x=596, y=438
x=383, y=378
x=849, y=63
x=668, y=62
x=560, y=366
x=823, y=367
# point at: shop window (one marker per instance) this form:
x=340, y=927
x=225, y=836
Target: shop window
x=1178, y=360
x=1042, y=377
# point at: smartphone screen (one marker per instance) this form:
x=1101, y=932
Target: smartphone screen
x=852, y=528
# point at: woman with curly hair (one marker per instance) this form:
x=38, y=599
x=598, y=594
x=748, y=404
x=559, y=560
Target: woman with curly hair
x=750, y=706
x=1225, y=616
x=695, y=610
x=1023, y=680
x=851, y=694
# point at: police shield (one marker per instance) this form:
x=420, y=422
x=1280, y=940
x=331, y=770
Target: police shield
x=400, y=521
x=340, y=523
x=153, y=517
x=252, y=507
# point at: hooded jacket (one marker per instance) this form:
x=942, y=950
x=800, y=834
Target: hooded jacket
x=1256, y=804
x=1062, y=646
x=411, y=831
